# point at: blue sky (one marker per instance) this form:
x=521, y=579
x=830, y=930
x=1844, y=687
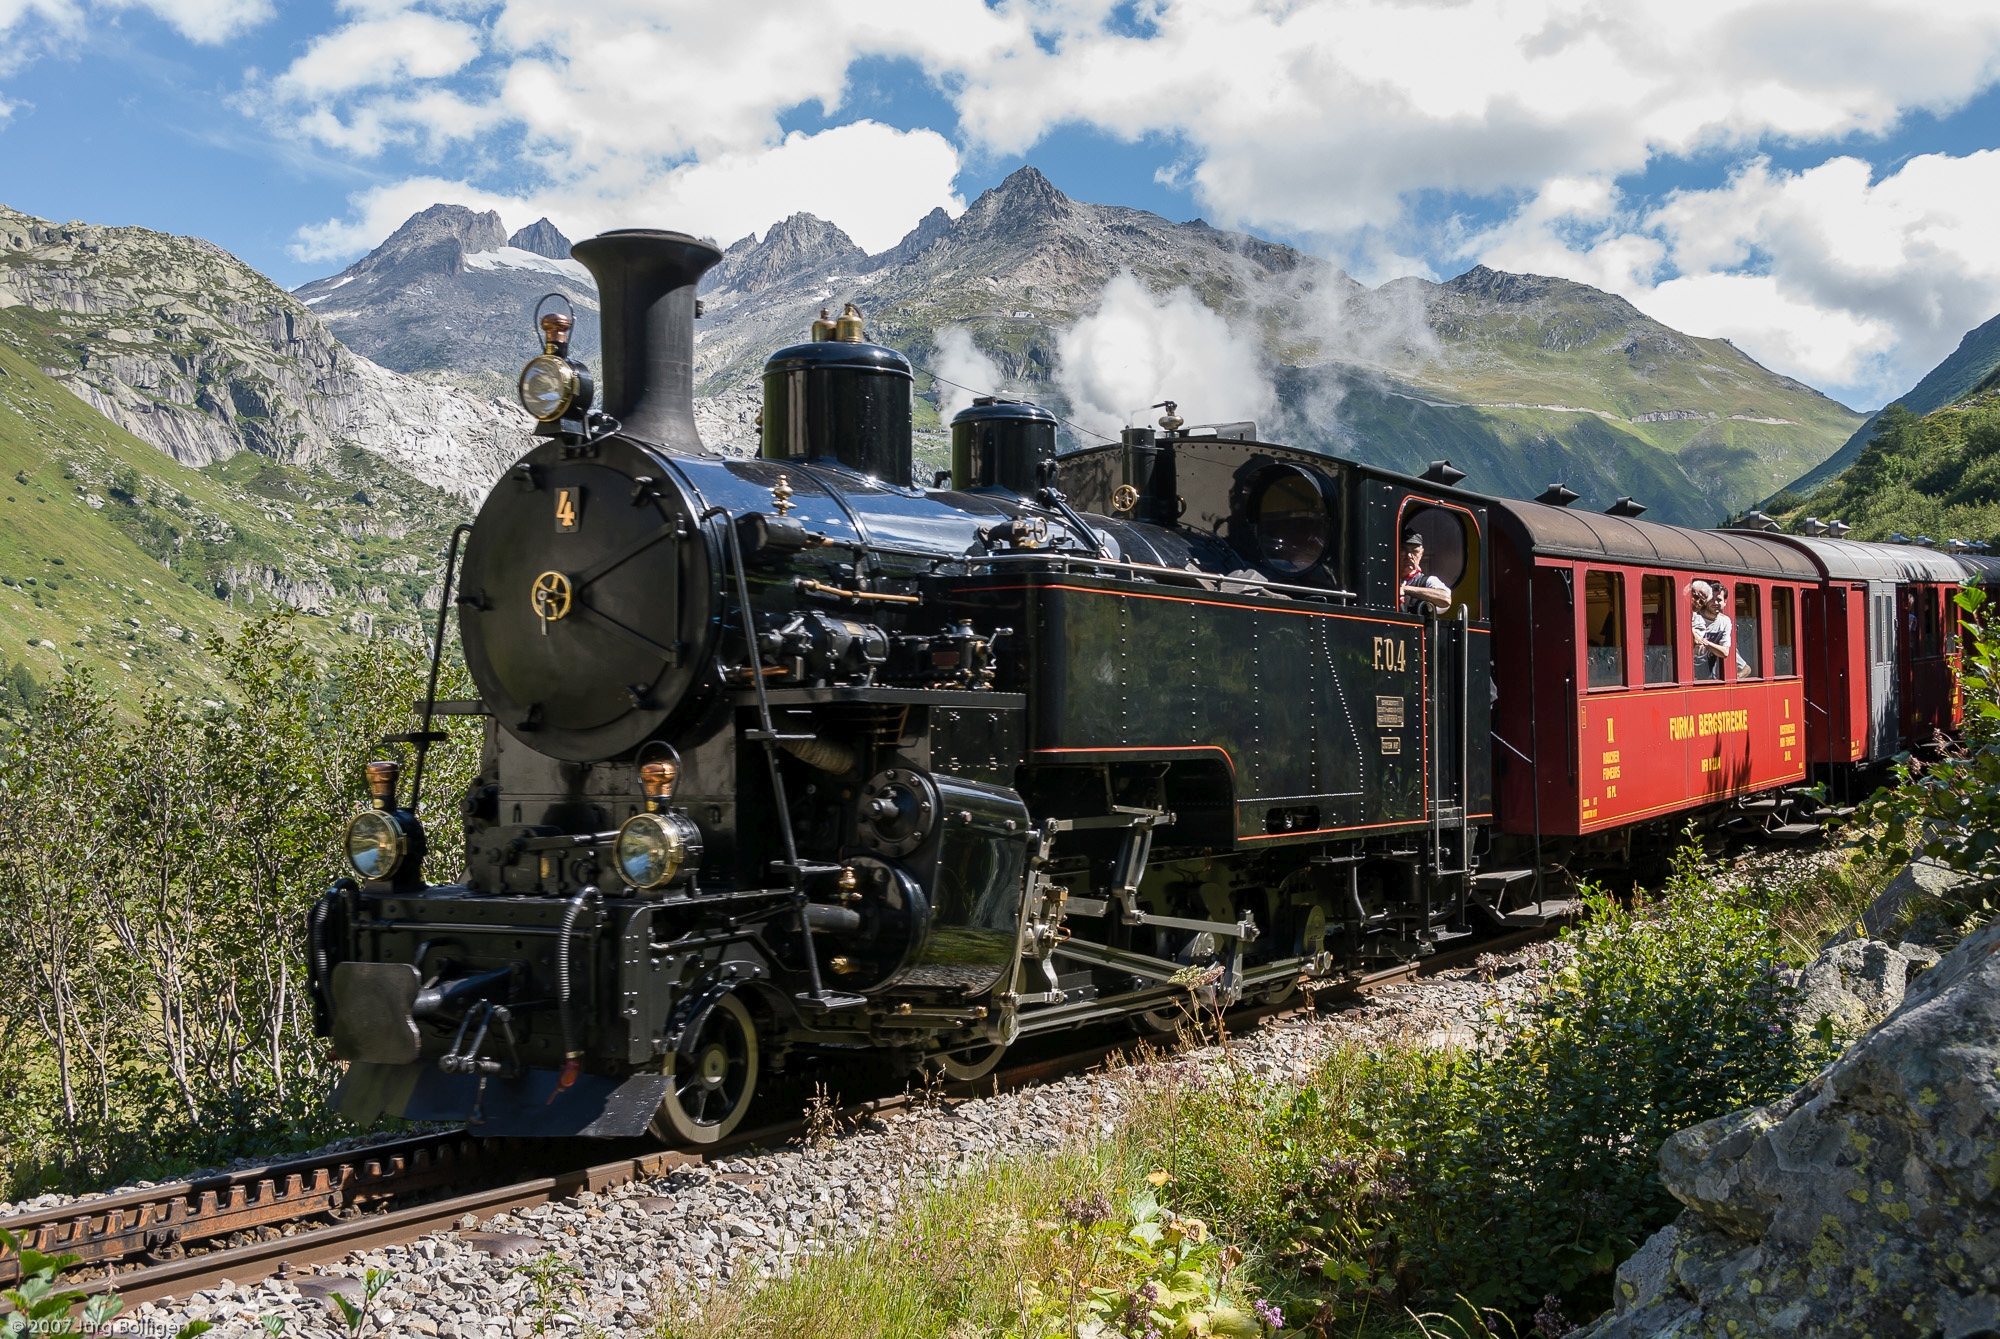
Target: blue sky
x=1814, y=183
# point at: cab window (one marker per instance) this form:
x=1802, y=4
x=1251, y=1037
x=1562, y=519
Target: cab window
x=1451, y=552
x=1656, y=607
x=1604, y=628
x=1290, y=523
x=1784, y=656
x=1749, y=634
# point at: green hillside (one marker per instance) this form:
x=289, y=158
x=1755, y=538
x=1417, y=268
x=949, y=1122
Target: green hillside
x=1970, y=368
x=1937, y=474
x=116, y=557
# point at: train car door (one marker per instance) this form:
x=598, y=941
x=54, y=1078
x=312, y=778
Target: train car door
x=1884, y=714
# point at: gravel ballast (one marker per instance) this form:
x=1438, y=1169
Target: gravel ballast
x=755, y=1212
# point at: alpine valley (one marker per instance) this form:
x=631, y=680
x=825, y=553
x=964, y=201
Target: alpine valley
x=179, y=429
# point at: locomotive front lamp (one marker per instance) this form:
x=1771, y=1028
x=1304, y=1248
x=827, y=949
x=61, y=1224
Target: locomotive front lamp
x=652, y=847
x=552, y=384
x=548, y=387
x=376, y=843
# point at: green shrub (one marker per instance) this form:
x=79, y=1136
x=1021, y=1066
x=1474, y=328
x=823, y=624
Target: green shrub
x=155, y=875
x=1527, y=1162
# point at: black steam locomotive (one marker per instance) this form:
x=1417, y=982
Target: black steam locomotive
x=785, y=753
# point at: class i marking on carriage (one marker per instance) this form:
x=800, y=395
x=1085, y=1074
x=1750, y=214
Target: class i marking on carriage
x=1392, y=653
x=566, y=510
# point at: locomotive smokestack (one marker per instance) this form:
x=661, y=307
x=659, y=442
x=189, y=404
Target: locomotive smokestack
x=645, y=289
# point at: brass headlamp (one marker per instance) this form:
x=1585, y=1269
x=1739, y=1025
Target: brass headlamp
x=553, y=385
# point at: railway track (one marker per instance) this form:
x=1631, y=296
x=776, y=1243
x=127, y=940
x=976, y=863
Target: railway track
x=127, y=1234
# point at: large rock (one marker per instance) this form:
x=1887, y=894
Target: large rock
x=1865, y=1203
x=1856, y=983
x=1909, y=908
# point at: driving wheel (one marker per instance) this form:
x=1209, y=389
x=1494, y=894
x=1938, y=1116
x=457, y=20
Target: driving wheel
x=707, y=1098
x=968, y=1064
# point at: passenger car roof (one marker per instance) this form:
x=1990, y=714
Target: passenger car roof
x=1857, y=560
x=1558, y=532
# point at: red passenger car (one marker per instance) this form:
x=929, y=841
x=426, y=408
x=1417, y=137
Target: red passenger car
x=1606, y=718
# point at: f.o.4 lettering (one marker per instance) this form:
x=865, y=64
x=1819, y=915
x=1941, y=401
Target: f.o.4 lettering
x=1392, y=653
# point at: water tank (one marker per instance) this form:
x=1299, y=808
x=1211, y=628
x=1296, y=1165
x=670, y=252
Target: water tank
x=1000, y=443
x=840, y=400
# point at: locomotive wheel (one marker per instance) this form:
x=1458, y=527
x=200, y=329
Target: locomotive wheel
x=709, y=1098
x=1163, y=1024
x=968, y=1065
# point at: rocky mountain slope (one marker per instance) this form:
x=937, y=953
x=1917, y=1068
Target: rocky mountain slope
x=186, y=347
x=1519, y=379
x=451, y=296
x=118, y=558
x=1972, y=363
x=185, y=442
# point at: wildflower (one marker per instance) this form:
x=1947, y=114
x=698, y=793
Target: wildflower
x=1549, y=1319
x=1088, y=1211
x=1159, y=1177
x=1269, y=1316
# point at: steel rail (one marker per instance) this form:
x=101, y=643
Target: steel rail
x=391, y=1169
x=108, y=1228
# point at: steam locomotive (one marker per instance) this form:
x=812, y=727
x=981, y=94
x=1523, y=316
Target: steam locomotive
x=786, y=754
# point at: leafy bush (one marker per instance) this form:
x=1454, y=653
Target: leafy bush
x=155, y=875
x=1949, y=810
x=1523, y=1165
x=1532, y=1164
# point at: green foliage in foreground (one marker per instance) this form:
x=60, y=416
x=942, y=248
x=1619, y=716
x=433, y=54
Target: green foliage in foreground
x=155, y=875
x=1475, y=1186
x=1949, y=810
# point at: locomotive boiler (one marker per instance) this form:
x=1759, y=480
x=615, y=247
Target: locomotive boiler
x=786, y=754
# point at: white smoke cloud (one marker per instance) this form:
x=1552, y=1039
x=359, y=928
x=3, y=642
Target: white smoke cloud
x=1138, y=349
x=954, y=357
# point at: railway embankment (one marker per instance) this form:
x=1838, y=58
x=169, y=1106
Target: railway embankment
x=695, y=1244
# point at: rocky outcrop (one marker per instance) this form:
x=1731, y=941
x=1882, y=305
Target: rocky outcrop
x=188, y=348
x=1865, y=1203
x=1857, y=983
x=797, y=248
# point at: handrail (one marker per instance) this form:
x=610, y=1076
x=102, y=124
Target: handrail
x=1314, y=592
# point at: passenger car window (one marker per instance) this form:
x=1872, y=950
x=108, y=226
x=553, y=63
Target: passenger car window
x=1749, y=642
x=1604, y=628
x=1784, y=658
x=1656, y=607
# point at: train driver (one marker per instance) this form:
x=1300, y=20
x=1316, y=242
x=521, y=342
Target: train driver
x=1713, y=630
x=1420, y=588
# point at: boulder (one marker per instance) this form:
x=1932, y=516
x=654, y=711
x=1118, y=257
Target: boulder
x=1857, y=983
x=1907, y=910
x=1867, y=1202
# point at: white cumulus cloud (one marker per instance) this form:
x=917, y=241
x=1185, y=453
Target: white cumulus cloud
x=1850, y=283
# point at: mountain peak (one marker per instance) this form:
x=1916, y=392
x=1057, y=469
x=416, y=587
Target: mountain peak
x=1026, y=200
x=543, y=238
x=445, y=223
x=801, y=244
